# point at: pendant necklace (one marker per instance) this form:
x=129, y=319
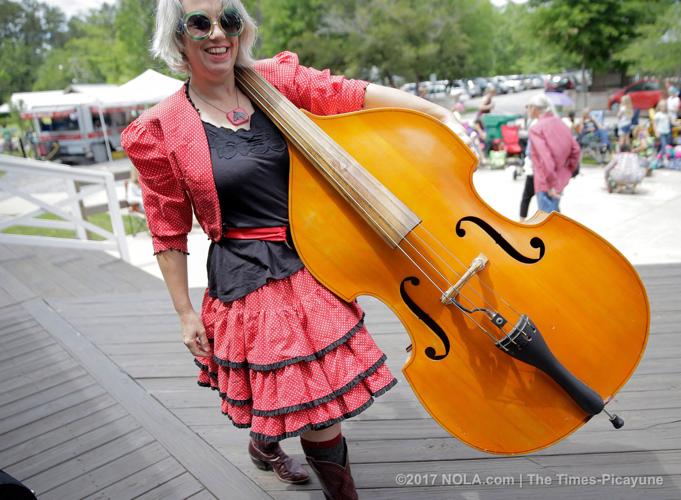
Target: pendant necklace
x=237, y=116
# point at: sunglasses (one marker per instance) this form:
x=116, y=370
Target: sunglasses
x=199, y=26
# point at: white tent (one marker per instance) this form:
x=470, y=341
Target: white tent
x=28, y=101
x=148, y=88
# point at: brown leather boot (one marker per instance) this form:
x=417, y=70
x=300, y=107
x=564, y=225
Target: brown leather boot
x=285, y=468
x=337, y=482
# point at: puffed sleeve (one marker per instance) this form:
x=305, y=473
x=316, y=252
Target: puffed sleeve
x=166, y=204
x=319, y=92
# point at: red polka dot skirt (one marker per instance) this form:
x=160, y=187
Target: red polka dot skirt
x=291, y=357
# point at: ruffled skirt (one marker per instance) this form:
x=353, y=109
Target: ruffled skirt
x=291, y=357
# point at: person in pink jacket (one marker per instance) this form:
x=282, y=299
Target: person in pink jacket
x=286, y=356
x=554, y=152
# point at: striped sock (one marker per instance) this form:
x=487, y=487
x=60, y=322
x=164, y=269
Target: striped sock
x=332, y=450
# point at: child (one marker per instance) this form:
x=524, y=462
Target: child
x=644, y=146
x=663, y=130
x=624, y=115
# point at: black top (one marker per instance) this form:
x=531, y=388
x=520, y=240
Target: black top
x=251, y=172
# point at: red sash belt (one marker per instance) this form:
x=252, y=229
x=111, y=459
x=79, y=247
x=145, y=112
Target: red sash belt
x=277, y=233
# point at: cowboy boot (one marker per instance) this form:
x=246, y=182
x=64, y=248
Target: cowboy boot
x=337, y=482
x=285, y=468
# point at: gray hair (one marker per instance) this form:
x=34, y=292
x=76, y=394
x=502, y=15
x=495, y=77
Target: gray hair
x=543, y=103
x=168, y=45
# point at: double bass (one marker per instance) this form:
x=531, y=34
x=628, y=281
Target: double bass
x=520, y=333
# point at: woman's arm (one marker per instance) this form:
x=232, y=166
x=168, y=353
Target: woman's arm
x=378, y=96
x=174, y=269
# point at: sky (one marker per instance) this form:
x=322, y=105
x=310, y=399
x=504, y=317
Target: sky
x=71, y=7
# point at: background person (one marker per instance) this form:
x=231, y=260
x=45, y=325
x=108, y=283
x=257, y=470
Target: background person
x=624, y=117
x=663, y=130
x=554, y=153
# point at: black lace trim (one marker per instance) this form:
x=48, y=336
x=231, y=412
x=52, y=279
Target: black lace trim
x=233, y=402
x=322, y=425
x=236, y=424
x=186, y=93
x=223, y=395
x=280, y=364
x=171, y=250
x=319, y=401
x=310, y=404
x=206, y=368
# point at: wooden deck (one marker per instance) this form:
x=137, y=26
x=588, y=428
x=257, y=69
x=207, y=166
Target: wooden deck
x=98, y=399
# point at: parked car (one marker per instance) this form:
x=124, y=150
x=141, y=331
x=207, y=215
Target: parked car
x=645, y=94
x=436, y=91
x=473, y=88
x=482, y=83
x=500, y=83
x=458, y=87
x=515, y=83
x=537, y=82
x=559, y=83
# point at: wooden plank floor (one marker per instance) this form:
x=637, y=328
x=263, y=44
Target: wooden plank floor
x=136, y=331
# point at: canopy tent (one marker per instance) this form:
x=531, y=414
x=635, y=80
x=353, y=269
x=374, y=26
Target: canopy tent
x=144, y=90
x=148, y=88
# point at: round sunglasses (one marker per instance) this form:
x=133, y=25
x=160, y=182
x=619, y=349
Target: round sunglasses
x=198, y=25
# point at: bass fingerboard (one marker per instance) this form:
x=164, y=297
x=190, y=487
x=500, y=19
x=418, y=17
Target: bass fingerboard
x=382, y=210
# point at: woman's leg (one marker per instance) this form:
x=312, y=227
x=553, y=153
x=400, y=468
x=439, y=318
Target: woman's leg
x=327, y=454
x=528, y=193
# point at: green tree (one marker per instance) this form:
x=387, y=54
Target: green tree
x=134, y=26
x=28, y=31
x=517, y=49
x=588, y=33
x=479, y=21
x=89, y=56
x=657, y=46
x=283, y=20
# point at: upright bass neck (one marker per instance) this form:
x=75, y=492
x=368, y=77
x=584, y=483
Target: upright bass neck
x=382, y=210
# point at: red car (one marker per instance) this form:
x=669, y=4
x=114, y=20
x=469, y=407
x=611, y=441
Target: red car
x=644, y=94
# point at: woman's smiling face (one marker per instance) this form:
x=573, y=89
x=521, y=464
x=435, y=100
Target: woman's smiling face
x=215, y=56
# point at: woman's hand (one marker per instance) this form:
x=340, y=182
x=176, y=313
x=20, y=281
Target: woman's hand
x=554, y=194
x=194, y=335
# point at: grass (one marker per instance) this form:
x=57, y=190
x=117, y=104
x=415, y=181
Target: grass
x=102, y=220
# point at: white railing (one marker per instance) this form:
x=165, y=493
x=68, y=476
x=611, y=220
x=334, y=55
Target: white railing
x=79, y=183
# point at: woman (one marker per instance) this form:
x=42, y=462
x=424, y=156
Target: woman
x=287, y=356
x=663, y=130
x=624, y=117
x=554, y=153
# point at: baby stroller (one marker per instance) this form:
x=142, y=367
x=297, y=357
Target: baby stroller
x=514, y=152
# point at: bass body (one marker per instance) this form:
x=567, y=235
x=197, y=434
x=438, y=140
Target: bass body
x=579, y=291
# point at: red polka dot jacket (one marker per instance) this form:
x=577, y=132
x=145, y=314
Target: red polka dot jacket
x=168, y=146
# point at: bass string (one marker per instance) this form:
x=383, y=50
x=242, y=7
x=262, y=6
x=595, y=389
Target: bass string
x=295, y=116
x=295, y=113
x=455, y=257
x=303, y=146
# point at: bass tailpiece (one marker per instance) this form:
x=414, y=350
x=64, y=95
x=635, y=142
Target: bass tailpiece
x=526, y=343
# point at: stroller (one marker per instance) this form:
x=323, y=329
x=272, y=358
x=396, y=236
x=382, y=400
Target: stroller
x=514, y=151
x=493, y=125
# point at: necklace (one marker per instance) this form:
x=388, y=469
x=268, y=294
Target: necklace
x=236, y=116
